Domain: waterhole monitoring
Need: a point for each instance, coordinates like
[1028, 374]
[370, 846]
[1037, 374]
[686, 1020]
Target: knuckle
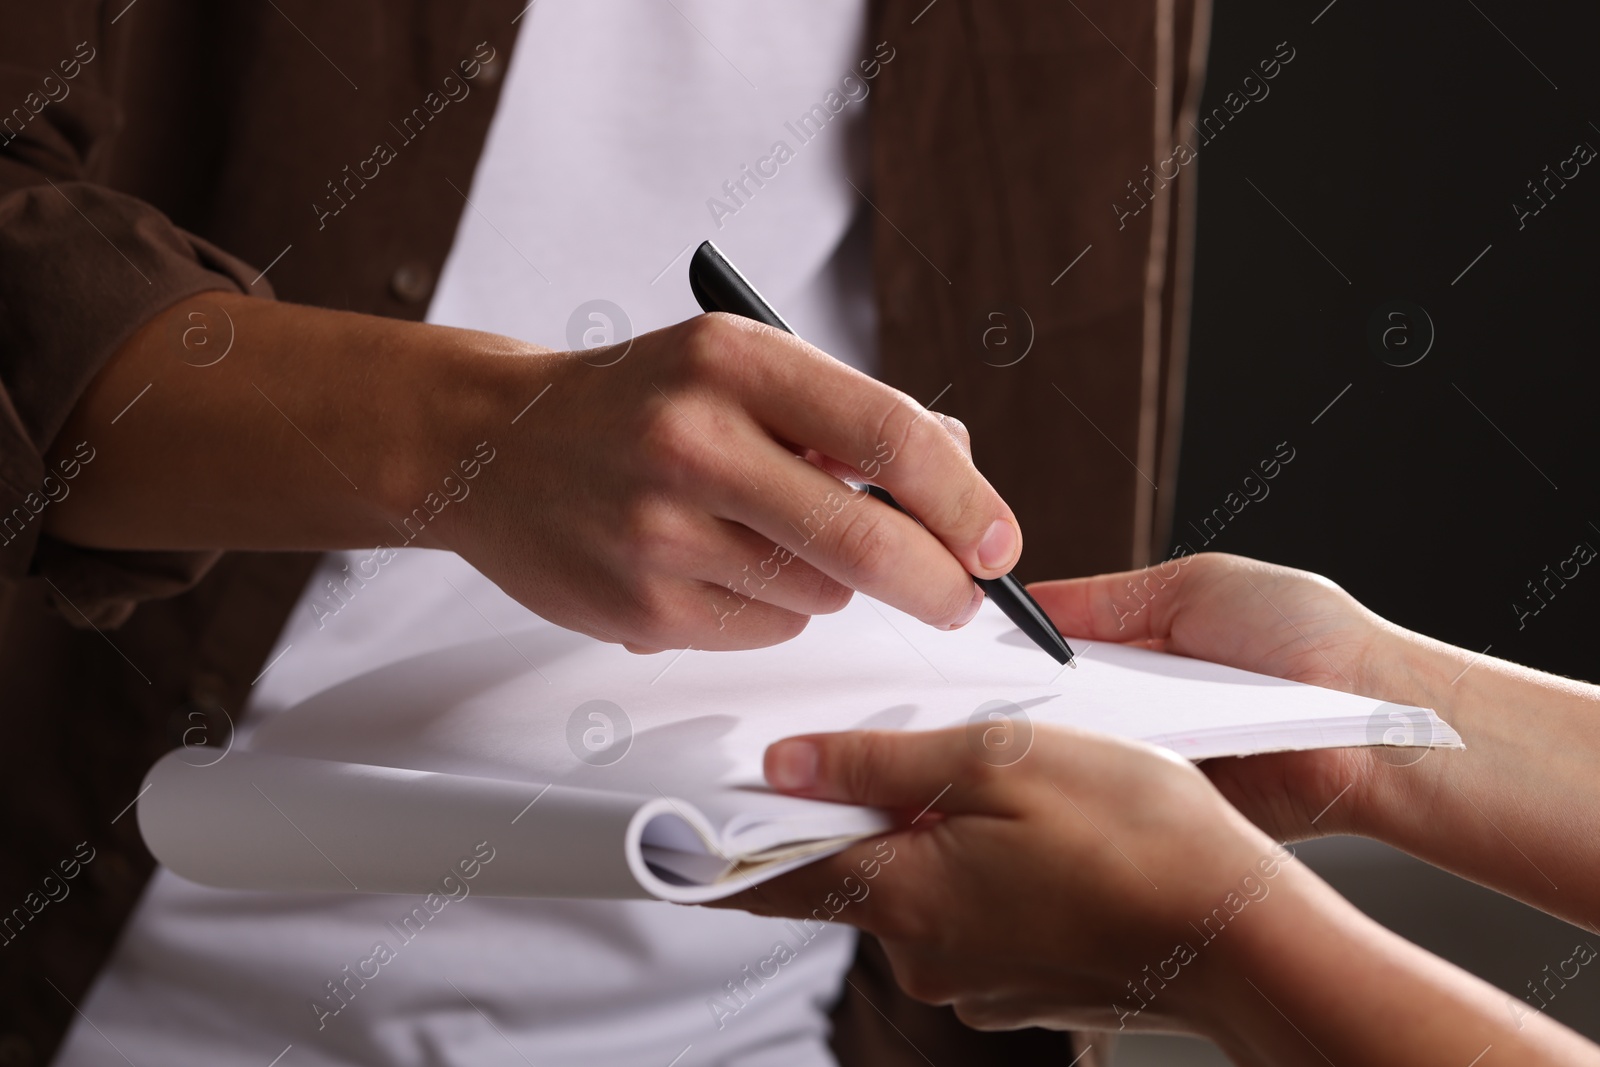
[759, 625]
[964, 511]
[978, 775]
[857, 771]
[769, 625]
[710, 342]
[654, 614]
[956, 601]
[972, 774]
[830, 596]
[899, 425]
[819, 593]
[654, 537]
[968, 505]
[909, 430]
[923, 985]
[980, 1015]
[957, 430]
[921, 979]
[678, 442]
[667, 439]
[866, 549]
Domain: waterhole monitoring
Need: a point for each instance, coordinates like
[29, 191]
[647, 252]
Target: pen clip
[717, 285]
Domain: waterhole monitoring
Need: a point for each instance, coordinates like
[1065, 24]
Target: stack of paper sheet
[592, 772]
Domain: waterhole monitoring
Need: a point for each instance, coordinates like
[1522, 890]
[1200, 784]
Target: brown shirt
[155, 150]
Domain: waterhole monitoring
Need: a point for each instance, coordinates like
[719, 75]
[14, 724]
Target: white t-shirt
[620, 121]
[624, 122]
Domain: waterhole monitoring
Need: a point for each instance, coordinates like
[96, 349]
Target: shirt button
[411, 283]
[489, 73]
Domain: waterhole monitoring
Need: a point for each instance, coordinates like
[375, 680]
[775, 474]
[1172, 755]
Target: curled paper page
[274, 822]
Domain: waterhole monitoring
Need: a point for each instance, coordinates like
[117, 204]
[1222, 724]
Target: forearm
[1308, 979]
[312, 429]
[1517, 809]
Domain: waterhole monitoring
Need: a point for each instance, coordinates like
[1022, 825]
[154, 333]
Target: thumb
[915, 770]
[1129, 606]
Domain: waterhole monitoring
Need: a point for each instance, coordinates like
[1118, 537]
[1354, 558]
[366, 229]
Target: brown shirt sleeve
[82, 266]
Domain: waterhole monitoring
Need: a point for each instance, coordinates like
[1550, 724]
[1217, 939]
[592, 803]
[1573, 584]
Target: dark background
[1397, 141]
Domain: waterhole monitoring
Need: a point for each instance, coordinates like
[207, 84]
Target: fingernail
[999, 545]
[792, 765]
[971, 611]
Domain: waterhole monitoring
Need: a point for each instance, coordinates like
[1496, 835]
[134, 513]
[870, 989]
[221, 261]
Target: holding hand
[1257, 617]
[1033, 894]
[683, 491]
[1102, 884]
[666, 499]
[1514, 811]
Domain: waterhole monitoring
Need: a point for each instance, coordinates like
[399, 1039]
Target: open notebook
[591, 772]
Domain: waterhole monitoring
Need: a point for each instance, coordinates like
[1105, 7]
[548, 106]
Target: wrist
[449, 407]
[1426, 669]
[1402, 666]
[1273, 948]
[1246, 886]
[1412, 669]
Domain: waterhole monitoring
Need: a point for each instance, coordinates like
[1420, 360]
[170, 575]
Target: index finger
[808, 398]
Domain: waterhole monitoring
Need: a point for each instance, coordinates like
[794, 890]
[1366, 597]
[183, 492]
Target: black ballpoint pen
[718, 286]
